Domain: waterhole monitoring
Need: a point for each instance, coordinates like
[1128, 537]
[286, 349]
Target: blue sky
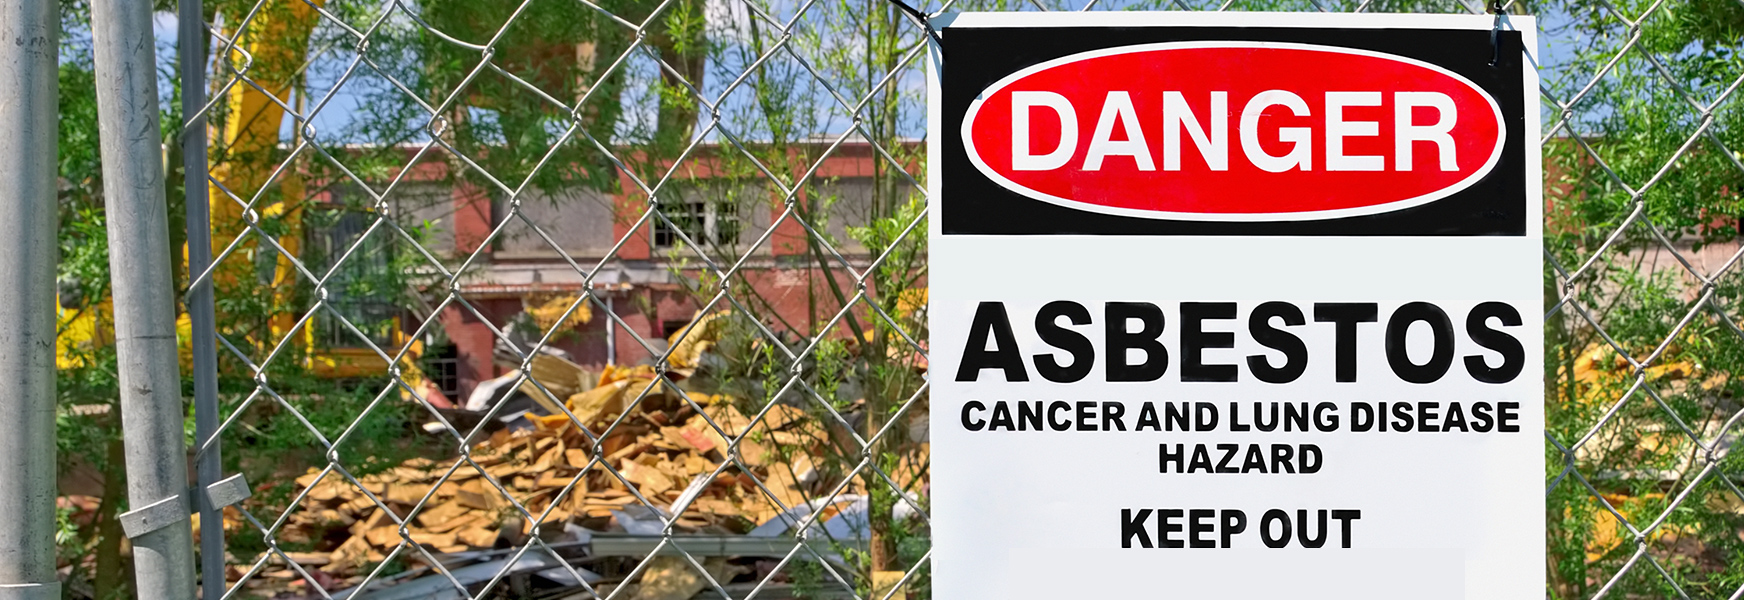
[1558, 43]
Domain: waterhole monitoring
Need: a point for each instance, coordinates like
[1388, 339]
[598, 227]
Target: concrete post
[145, 314]
[29, 88]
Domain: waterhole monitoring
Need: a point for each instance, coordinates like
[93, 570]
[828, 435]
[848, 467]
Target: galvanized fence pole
[29, 86]
[191, 36]
[145, 315]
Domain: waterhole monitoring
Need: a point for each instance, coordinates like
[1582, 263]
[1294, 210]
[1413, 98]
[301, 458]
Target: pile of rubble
[660, 452]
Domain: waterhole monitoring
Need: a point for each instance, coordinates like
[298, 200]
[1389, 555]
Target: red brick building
[642, 281]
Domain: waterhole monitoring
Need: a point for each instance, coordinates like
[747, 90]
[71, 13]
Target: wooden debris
[557, 375]
[659, 444]
[673, 578]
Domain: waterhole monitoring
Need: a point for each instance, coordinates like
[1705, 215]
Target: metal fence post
[145, 317]
[29, 86]
[192, 39]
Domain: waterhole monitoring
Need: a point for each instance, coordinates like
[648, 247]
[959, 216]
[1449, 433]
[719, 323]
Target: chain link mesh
[710, 141]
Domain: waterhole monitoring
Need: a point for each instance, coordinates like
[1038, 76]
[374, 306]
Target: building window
[442, 367]
[704, 222]
[671, 328]
[364, 286]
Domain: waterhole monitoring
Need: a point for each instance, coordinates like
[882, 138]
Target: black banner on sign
[1491, 203]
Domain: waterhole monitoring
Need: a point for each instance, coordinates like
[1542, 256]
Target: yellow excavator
[245, 134]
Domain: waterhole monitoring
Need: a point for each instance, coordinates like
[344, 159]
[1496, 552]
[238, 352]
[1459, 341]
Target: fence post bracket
[228, 491]
[31, 591]
[154, 516]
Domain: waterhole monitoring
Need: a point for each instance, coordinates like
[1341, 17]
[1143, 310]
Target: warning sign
[1236, 306]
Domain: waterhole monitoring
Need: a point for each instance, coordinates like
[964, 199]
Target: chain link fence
[626, 298]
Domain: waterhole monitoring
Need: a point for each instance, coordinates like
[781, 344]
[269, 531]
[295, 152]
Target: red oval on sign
[1234, 131]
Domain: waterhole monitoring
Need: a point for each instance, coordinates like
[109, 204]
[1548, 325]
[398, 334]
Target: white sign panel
[1236, 306]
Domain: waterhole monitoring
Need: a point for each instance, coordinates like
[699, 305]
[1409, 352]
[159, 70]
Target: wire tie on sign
[920, 19]
[1501, 12]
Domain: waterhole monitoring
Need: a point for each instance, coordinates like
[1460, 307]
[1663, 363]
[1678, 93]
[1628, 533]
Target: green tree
[1645, 168]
